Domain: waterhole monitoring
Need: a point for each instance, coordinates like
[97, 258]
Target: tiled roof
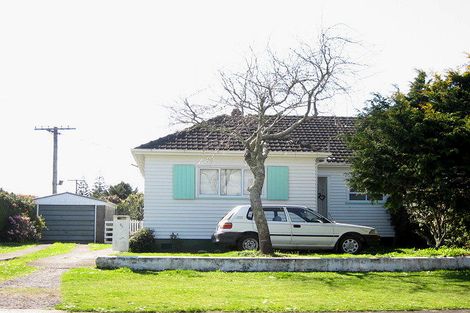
[316, 134]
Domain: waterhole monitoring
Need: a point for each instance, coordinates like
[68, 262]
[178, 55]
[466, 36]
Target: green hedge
[12, 204]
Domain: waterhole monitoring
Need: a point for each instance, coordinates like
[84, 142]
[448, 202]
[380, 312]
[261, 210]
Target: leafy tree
[112, 198]
[129, 201]
[121, 190]
[100, 189]
[263, 94]
[82, 188]
[414, 147]
[132, 206]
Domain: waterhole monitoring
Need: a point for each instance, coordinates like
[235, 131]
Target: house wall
[198, 218]
[354, 212]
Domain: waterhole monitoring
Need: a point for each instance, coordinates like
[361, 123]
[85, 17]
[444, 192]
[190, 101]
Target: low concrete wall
[283, 264]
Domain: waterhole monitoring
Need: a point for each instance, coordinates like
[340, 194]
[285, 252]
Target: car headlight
[373, 232]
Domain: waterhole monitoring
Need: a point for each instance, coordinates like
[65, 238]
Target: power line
[55, 132]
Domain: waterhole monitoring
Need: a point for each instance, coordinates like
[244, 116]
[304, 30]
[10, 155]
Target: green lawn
[380, 252]
[122, 290]
[99, 246]
[19, 266]
[6, 247]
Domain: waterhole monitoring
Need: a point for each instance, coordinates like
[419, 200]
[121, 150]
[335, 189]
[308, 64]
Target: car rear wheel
[248, 242]
[350, 244]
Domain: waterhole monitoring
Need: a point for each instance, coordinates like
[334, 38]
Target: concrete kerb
[411, 264]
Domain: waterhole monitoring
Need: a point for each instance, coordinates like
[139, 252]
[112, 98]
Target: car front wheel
[350, 244]
[248, 242]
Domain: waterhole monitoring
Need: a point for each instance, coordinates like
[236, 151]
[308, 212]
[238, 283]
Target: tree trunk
[256, 164]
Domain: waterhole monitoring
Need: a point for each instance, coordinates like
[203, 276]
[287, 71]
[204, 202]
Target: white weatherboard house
[194, 177]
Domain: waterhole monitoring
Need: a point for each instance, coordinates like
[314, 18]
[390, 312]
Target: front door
[322, 199]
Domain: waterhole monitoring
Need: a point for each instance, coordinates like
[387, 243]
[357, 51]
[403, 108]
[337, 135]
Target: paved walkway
[18, 253]
[41, 289]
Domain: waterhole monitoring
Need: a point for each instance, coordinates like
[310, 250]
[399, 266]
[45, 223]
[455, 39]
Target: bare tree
[263, 94]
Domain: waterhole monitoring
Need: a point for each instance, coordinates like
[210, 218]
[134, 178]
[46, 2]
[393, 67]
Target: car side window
[272, 214]
[300, 215]
[275, 215]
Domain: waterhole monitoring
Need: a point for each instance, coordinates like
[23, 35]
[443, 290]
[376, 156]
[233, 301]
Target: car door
[278, 224]
[309, 230]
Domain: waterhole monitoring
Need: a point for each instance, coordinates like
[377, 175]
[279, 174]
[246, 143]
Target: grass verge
[122, 290]
[378, 252]
[7, 247]
[19, 266]
[99, 246]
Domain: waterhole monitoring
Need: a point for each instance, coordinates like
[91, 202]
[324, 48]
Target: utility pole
[55, 132]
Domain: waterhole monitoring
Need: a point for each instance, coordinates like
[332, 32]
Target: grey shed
[74, 218]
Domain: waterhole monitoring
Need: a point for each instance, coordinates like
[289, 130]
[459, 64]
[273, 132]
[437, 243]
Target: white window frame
[199, 182]
[219, 169]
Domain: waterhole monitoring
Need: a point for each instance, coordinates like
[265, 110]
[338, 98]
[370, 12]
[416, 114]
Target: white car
[292, 227]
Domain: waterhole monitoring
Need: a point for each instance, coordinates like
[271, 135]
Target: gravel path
[15, 254]
[41, 289]
[425, 311]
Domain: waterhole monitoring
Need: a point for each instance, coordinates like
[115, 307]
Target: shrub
[12, 205]
[132, 206]
[22, 229]
[459, 231]
[142, 241]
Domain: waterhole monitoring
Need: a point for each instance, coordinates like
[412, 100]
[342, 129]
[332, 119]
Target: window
[248, 179]
[357, 196]
[272, 214]
[301, 215]
[230, 182]
[226, 182]
[209, 182]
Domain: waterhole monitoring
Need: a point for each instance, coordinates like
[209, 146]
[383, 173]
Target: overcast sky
[108, 68]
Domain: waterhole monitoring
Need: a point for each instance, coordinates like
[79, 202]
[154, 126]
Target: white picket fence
[134, 226]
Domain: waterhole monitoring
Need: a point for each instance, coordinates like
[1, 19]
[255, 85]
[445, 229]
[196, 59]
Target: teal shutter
[278, 183]
[184, 176]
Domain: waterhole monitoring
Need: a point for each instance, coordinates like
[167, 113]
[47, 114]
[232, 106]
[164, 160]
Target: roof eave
[139, 154]
[74, 194]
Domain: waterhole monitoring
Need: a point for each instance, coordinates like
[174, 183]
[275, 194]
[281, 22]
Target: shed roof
[68, 198]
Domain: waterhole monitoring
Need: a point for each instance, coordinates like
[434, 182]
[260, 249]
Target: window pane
[271, 214]
[298, 215]
[247, 181]
[354, 195]
[275, 215]
[295, 218]
[357, 196]
[231, 182]
[209, 182]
